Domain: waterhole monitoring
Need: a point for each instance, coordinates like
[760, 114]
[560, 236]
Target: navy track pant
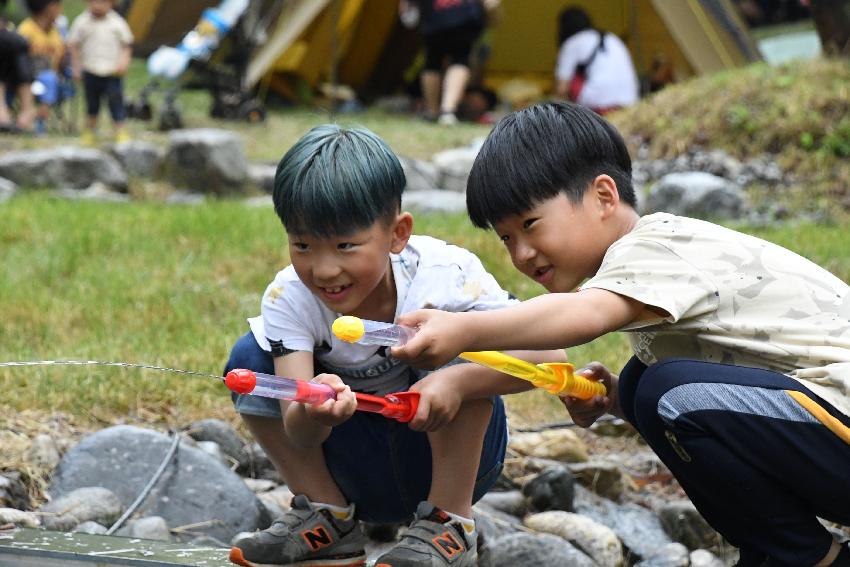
[748, 449]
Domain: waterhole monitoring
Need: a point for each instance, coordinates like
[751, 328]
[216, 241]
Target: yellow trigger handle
[576, 386]
[554, 377]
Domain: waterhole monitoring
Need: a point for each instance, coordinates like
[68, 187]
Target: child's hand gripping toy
[401, 406]
[554, 377]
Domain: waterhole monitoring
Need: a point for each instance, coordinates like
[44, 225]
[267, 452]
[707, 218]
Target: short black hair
[536, 153]
[38, 6]
[571, 21]
[334, 181]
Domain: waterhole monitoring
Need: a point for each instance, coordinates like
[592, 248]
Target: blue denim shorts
[381, 465]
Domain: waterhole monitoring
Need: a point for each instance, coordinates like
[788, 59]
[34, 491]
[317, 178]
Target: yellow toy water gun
[554, 377]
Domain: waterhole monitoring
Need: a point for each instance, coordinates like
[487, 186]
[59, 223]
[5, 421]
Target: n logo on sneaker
[447, 544]
[317, 538]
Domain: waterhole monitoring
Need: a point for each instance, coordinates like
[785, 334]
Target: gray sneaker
[432, 540]
[303, 536]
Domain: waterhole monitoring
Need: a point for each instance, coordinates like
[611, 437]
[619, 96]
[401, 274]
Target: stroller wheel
[170, 119]
[253, 111]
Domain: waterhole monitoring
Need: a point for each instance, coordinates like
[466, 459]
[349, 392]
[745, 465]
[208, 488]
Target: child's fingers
[422, 412]
[331, 380]
[413, 318]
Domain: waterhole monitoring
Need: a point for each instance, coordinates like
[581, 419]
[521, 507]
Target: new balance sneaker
[433, 539]
[305, 536]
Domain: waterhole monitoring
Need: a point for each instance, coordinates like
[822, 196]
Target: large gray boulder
[62, 167]
[194, 489]
[139, 159]
[699, 195]
[7, 189]
[206, 159]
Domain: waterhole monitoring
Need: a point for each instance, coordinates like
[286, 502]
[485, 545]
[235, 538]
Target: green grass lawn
[173, 285]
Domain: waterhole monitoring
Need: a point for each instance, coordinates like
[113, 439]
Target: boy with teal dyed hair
[740, 379]
[338, 194]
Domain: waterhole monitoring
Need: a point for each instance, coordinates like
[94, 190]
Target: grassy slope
[799, 112]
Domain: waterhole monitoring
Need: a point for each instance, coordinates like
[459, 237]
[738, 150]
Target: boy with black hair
[741, 367]
[338, 194]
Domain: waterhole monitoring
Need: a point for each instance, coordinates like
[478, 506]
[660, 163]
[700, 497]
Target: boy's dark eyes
[345, 245]
[528, 222]
[300, 245]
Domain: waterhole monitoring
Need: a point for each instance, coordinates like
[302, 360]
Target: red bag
[576, 84]
[579, 77]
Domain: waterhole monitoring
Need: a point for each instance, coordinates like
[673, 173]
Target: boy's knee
[246, 353]
[656, 381]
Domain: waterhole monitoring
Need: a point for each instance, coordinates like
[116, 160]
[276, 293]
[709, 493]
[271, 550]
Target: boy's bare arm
[443, 391]
[551, 321]
[300, 428]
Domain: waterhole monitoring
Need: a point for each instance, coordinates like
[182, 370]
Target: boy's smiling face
[558, 243]
[351, 274]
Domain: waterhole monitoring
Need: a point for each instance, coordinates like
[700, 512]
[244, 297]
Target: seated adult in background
[594, 67]
[47, 49]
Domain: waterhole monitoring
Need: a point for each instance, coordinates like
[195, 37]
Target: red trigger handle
[400, 406]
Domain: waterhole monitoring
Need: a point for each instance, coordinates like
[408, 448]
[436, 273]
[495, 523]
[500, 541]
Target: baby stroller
[223, 74]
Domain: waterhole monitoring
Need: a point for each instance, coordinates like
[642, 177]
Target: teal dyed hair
[335, 181]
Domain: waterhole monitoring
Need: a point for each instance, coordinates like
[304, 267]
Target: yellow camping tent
[363, 42]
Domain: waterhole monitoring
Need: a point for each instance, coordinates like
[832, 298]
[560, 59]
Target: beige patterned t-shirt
[733, 299]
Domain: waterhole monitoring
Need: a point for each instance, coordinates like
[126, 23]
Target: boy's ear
[606, 194]
[402, 229]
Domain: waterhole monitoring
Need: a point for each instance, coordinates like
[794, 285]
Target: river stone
[152, 527]
[559, 444]
[19, 518]
[91, 528]
[638, 528]
[594, 539]
[67, 166]
[206, 159]
[670, 555]
[685, 524]
[69, 509]
[13, 491]
[194, 488]
[221, 432]
[533, 549]
[697, 194]
[552, 489]
[139, 158]
[510, 501]
[7, 189]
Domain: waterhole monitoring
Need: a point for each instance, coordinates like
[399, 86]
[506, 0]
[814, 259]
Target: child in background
[741, 368]
[101, 46]
[16, 76]
[47, 49]
[338, 194]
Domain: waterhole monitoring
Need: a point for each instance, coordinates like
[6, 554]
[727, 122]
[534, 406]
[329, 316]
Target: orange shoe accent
[239, 559]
